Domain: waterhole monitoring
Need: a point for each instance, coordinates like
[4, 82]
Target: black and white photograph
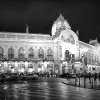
[49, 50]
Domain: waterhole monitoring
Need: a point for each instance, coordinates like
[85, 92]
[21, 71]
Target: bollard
[79, 81]
[75, 81]
[84, 82]
[92, 82]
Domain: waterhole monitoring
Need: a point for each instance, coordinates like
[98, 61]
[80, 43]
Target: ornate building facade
[57, 53]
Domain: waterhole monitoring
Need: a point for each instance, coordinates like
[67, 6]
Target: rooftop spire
[77, 32]
[60, 24]
[63, 21]
[27, 28]
[60, 18]
[96, 39]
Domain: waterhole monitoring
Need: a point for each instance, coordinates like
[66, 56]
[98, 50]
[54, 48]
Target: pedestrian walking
[89, 76]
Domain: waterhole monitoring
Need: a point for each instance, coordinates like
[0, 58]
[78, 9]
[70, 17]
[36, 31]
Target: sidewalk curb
[79, 86]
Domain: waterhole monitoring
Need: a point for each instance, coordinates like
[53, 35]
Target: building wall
[92, 54]
[27, 45]
[62, 39]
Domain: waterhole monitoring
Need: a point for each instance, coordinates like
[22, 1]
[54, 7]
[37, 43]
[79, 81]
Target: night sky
[40, 14]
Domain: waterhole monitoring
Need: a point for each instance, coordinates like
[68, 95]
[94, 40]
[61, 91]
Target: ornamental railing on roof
[25, 36]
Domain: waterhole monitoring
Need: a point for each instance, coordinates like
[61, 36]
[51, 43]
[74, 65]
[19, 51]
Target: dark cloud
[40, 15]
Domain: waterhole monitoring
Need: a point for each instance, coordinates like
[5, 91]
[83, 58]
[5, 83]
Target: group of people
[89, 75]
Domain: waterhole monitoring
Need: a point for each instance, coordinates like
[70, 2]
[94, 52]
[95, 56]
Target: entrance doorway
[50, 68]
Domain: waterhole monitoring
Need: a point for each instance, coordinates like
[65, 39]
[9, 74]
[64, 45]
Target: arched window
[67, 55]
[72, 39]
[72, 58]
[60, 51]
[41, 53]
[21, 53]
[1, 52]
[31, 53]
[10, 53]
[67, 38]
[49, 52]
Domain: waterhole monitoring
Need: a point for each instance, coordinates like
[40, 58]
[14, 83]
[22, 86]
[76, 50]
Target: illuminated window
[50, 54]
[1, 52]
[72, 57]
[10, 53]
[68, 38]
[41, 53]
[67, 55]
[21, 53]
[72, 39]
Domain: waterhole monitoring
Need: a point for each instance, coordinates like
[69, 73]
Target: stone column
[36, 66]
[26, 66]
[5, 66]
[53, 68]
[60, 68]
[16, 66]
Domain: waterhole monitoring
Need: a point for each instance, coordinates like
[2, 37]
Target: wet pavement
[46, 89]
[91, 84]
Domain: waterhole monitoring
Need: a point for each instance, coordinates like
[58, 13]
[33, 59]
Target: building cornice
[86, 44]
[12, 35]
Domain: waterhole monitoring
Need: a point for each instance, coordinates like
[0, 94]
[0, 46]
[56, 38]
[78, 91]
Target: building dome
[60, 23]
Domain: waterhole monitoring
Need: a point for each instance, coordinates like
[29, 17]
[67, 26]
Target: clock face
[67, 37]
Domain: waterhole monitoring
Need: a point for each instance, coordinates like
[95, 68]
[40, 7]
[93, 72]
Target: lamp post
[84, 60]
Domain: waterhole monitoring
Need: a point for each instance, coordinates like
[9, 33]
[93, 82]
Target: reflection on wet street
[44, 90]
